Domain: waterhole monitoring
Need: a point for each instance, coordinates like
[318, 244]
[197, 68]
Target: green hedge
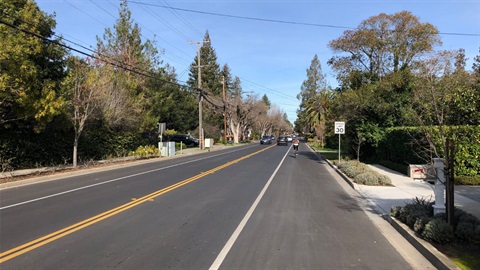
[408, 145]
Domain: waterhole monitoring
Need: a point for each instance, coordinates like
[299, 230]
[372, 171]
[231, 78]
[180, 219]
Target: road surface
[249, 207]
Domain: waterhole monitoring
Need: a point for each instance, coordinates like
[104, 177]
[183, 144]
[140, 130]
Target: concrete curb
[435, 257]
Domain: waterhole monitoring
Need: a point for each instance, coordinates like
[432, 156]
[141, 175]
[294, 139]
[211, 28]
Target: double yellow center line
[14, 252]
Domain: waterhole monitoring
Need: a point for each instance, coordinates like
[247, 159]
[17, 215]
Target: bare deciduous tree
[83, 83]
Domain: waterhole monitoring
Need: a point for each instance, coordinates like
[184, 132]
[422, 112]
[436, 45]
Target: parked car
[186, 139]
[282, 140]
[266, 140]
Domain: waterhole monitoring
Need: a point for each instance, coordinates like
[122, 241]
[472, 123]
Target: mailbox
[421, 171]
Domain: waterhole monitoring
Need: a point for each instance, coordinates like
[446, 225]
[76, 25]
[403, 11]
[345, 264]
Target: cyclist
[296, 143]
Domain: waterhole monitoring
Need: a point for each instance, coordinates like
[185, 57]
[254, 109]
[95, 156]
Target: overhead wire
[274, 20]
[179, 16]
[116, 63]
[176, 58]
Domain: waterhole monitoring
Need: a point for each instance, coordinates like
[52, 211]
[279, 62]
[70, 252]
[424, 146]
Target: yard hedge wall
[409, 145]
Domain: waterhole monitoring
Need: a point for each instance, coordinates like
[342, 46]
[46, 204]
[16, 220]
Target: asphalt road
[251, 207]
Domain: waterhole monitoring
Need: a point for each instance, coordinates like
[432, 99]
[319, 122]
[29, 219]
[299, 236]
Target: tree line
[108, 101]
[389, 75]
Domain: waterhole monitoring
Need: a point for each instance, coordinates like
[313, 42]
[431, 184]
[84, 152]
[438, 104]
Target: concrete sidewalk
[405, 189]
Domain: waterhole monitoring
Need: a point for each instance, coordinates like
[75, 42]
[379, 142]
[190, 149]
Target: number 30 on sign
[339, 127]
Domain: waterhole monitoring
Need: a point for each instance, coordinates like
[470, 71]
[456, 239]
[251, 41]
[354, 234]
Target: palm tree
[317, 109]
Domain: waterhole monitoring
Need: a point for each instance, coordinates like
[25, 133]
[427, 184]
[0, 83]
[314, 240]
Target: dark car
[266, 140]
[282, 140]
[186, 139]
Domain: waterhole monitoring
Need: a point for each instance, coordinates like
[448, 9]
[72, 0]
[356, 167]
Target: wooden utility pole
[224, 112]
[200, 95]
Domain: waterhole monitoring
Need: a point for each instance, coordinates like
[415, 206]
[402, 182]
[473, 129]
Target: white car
[289, 138]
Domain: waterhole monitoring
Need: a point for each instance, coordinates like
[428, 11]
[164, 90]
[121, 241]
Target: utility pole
[224, 112]
[200, 95]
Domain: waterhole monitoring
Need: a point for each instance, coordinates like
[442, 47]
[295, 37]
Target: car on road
[289, 138]
[266, 140]
[185, 138]
[282, 140]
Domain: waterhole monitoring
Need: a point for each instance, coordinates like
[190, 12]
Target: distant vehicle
[186, 139]
[289, 138]
[282, 140]
[273, 138]
[266, 140]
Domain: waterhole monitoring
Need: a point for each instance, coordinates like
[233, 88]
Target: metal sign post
[161, 129]
[339, 129]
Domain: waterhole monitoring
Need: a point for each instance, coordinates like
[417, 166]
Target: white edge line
[223, 253]
[110, 181]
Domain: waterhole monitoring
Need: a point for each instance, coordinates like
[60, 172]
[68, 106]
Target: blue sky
[270, 58]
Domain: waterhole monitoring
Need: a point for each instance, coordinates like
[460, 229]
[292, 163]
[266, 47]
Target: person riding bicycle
[296, 143]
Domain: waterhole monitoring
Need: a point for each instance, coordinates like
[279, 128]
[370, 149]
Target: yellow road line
[17, 251]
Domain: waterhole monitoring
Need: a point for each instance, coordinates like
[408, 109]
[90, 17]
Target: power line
[189, 25]
[242, 17]
[118, 64]
[173, 54]
[276, 21]
[275, 92]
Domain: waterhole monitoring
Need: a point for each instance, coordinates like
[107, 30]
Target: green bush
[420, 207]
[465, 232]
[462, 216]
[467, 180]
[403, 145]
[411, 212]
[384, 180]
[372, 178]
[352, 168]
[438, 231]
[420, 224]
[362, 174]
[395, 211]
[367, 178]
[145, 151]
[418, 215]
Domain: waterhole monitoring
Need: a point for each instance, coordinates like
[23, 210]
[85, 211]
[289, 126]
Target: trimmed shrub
[352, 168]
[403, 145]
[367, 178]
[437, 230]
[384, 180]
[395, 211]
[418, 215]
[420, 224]
[419, 208]
[476, 235]
[362, 174]
[465, 231]
[467, 180]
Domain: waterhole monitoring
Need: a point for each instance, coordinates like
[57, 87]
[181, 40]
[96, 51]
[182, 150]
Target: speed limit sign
[339, 127]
